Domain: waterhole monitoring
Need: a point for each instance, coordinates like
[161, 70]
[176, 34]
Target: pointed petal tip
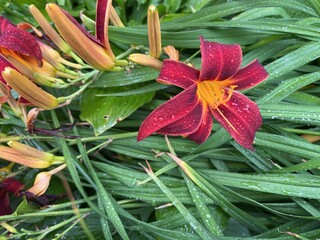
[241, 117]
[178, 74]
[219, 61]
[249, 76]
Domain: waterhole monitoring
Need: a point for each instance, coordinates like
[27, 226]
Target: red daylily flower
[8, 185]
[208, 92]
[18, 42]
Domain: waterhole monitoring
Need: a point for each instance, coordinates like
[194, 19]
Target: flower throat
[213, 93]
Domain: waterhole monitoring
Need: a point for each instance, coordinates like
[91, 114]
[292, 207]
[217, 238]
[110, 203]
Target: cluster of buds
[10, 185]
[155, 47]
[96, 51]
[22, 65]
[27, 63]
[31, 157]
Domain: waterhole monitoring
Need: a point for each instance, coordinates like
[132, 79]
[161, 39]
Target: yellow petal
[41, 183]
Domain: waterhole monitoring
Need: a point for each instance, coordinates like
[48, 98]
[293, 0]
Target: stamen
[213, 93]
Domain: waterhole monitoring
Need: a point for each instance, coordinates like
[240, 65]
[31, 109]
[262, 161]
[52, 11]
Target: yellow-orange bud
[145, 60]
[86, 47]
[28, 156]
[42, 181]
[28, 90]
[114, 18]
[48, 29]
[171, 52]
[154, 32]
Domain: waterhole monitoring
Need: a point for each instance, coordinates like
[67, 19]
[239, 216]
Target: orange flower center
[213, 93]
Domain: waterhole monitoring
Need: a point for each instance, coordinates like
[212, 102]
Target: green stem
[126, 53]
[75, 94]
[106, 137]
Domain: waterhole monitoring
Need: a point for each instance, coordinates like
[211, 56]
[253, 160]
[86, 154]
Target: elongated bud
[145, 60]
[85, 45]
[28, 156]
[54, 58]
[171, 52]
[49, 30]
[115, 19]
[30, 151]
[28, 90]
[16, 156]
[42, 181]
[154, 32]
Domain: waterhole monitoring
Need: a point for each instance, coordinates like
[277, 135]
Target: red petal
[102, 19]
[249, 76]
[178, 74]
[11, 185]
[204, 129]
[240, 117]
[186, 125]
[74, 21]
[19, 41]
[4, 203]
[169, 112]
[219, 61]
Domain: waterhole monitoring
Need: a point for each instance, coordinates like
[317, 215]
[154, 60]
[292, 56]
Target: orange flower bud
[86, 46]
[145, 60]
[114, 18]
[172, 52]
[42, 181]
[154, 32]
[48, 29]
[28, 90]
[28, 156]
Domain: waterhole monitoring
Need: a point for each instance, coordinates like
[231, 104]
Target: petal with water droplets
[204, 130]
[18, 41]
[240, 117]
[186, 125]
[249, 76]
[219, 61]
[178, 74]
[169, 112]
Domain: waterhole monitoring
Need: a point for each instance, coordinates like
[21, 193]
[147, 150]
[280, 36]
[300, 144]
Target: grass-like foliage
[171, 188]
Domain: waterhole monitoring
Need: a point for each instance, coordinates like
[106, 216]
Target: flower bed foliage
[106, 128]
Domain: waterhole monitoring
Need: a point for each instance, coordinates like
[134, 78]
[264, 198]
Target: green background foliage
[224, 191]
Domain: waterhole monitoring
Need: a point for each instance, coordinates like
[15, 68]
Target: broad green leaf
[136, 75]
[104, 112]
